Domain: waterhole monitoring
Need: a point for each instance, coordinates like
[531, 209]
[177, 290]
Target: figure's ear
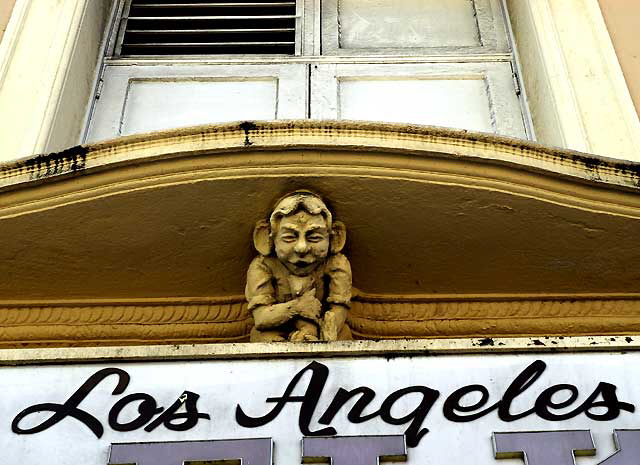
[262, 238]
[338, 236]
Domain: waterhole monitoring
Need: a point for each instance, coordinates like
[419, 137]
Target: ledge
[332, 349]
[251, 136]
[82, 323]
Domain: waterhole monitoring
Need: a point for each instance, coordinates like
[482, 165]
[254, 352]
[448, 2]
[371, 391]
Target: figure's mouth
[301, 267]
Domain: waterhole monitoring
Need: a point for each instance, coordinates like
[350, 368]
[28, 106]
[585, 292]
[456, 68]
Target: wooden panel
[410, 23]
[472, 96]
[154, 97]
[414, 27]
[161, 104]
[421, 101]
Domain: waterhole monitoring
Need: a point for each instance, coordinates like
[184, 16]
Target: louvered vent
[197, 27]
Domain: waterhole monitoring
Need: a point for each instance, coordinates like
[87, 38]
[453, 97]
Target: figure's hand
[301, 336]
[308, 306]
[329, 327]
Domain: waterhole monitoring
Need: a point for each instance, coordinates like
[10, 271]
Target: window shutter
[197, 27]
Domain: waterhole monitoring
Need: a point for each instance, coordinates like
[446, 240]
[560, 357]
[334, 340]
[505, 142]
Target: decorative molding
[198, 320]
[478, 319]
[142, 321]
[386, 317]
[354, 137]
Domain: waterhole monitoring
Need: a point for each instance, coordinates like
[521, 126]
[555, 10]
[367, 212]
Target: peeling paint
[52, 164]
[247, 126]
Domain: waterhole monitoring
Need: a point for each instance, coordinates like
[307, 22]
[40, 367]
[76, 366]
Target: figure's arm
[260, 294]
[272, 316]
[339, 298]
[340, 314]
[333, 321]
[267, 313]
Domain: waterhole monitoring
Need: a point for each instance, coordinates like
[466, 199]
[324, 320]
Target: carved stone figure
[299, 287]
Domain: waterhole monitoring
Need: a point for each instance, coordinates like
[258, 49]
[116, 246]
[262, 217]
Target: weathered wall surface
[622, 18]
[5, 12]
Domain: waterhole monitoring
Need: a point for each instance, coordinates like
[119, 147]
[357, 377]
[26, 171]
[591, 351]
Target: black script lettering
[355, 414]
[521, 383]
[609, 401]
[416, 416]
[190, 415]
[309, 401]
[544, 402]
[70, 407]
[146, 411]
[452, 405]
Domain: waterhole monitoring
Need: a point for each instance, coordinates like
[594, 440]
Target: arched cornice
[450, 233]
[249, 145]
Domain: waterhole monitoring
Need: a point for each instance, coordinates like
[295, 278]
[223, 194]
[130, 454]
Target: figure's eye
[316, 238]
[288, 238]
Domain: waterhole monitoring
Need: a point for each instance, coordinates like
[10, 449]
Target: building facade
[484, 161]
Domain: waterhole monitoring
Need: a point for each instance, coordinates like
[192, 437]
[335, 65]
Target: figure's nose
[302, 246]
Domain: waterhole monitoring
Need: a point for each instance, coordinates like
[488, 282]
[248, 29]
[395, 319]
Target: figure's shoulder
[263, 264]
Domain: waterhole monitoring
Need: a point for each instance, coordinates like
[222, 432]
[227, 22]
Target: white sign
[448, 407]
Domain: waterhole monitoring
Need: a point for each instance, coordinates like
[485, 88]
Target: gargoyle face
[302, 242]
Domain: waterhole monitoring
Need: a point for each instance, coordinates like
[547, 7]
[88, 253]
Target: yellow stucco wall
[5, 11]
[623, 19]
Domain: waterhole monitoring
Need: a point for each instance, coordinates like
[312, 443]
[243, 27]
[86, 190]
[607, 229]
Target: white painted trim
[47, 63]
[11, 35]
[61, 74]
[619, 85]
[29, 83]
[577, 93]
[574, 132]
[98, 70]
[387, 348]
